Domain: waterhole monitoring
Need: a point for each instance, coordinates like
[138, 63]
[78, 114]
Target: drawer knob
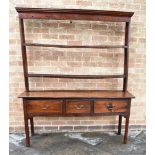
[109, 106]
[78, 107]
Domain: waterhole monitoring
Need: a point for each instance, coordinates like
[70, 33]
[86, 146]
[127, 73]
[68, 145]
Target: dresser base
[76, 103]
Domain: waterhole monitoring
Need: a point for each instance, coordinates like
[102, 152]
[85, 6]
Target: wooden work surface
[76, 94]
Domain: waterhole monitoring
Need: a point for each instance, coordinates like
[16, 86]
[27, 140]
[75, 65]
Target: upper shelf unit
[74, 14]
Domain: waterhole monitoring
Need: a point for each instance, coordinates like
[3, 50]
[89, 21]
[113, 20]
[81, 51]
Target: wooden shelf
[76, 76]
[76, 94]
[76, 46]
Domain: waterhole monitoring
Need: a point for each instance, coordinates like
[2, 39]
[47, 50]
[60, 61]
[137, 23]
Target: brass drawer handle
[44, 107]
[78, 107]
[109, 106]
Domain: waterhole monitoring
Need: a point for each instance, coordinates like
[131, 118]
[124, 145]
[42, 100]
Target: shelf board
[76, 76]
[76, 46]
[77, 94]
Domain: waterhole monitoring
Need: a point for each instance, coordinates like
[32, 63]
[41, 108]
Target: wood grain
[74, 14]
[117, 106]
[76, 94]
[77, 106]
[46, 106]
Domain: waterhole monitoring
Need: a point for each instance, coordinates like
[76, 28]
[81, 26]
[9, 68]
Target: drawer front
[44, 106]
[110, 106]
[77, 106]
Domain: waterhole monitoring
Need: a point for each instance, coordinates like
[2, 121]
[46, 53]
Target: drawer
[44, 106]
[110, 106]
[77, 106]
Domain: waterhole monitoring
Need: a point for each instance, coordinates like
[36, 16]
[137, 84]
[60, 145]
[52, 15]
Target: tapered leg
[26, 119]
[119, 125]
[32, 126]
[27, 132]
[126, 130]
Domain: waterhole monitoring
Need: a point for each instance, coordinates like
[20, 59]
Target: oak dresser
[64, 103]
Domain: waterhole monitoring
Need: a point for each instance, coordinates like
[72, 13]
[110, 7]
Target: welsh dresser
[64, 103]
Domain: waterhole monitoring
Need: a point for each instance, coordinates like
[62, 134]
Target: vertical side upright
[26, 122]
[24, 57]
[126, 55]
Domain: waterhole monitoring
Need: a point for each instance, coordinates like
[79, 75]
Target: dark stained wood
[47, 114]
[75, 46]
[64, 108]
[91, 108]
[46, 106]
[75, 114]
[80, 11]
[126, 130]
[119, 125]
[75, 102]
[76, 94]
[74, 14]
[77, 106]
[127, 116]
[26, 123]
[32, 126]
[104, 106]
[24, 56]
[76, 76]
[126, 56]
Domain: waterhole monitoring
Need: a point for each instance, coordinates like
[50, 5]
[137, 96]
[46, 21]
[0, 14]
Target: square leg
[26, 123]
[27, 132]
[32, 126]
[126, 130]
[119, 125]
